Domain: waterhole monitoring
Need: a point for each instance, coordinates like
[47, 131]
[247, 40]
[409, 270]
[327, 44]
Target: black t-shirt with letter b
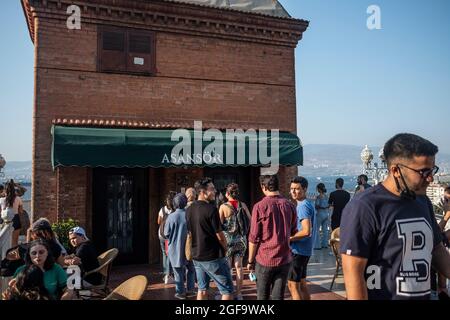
[397, 237]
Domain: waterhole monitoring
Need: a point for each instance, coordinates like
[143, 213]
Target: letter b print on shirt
[414, 275]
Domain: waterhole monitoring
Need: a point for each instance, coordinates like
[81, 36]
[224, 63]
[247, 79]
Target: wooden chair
[100, 291]
[335, 246]
[132, 289]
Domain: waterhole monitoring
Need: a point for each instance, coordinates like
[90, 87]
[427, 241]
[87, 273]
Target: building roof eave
[28, 17]
[291, 27]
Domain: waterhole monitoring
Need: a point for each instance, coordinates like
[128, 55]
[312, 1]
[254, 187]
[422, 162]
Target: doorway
[223, 176]
[120, 213]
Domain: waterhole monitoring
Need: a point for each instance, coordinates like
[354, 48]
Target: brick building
[135, 70]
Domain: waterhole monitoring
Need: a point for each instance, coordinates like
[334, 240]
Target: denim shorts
[218, 270]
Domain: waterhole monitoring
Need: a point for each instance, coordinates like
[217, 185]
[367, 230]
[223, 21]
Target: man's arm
[305, 232]
[446, 217]
[444, 220]
[222, 240]
[441, 260]
[252, 248]
[355, 283]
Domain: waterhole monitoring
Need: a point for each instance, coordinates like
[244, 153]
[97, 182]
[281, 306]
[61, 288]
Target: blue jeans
[183, 273]
[218, 270]
[321, 222]
[167, 266]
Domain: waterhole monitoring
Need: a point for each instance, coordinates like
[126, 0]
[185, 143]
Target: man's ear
[394, 170]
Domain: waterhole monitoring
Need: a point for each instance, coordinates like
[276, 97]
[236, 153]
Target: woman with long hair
[42, 229]
[322, 206]
[236, 238]
[55, 278]
[28, 285]
[10, 206]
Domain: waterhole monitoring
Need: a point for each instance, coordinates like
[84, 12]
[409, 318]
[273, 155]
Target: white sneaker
[168, 280]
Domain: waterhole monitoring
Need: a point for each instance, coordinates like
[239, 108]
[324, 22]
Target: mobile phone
[252, 276]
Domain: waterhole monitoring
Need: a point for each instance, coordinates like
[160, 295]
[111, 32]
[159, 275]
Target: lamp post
[374, 172]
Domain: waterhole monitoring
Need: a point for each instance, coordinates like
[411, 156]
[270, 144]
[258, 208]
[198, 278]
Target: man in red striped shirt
[274, 221]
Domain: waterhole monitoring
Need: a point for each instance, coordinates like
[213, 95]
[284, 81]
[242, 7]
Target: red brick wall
[285, 175]
[198, 78]
[72, 192]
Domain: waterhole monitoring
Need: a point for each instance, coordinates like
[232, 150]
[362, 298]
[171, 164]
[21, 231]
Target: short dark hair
[340, 182]
[301, 180]
[408, 145]
[321, 187]
[202, 184]
[363, 176]
[2, 187]
[179, 201]
[169, 200]
[270, 182]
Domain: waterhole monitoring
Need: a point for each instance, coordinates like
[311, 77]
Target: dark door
[223, 176]
[120, 213]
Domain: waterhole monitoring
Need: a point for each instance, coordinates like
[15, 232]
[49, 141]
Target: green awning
[118, 148]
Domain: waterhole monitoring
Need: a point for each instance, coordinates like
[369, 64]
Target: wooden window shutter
[141, 52]
[112, 49]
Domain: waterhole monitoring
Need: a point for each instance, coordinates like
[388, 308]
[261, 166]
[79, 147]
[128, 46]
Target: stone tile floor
[321, 270]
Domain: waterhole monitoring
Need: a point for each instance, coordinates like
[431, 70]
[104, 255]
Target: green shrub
[62, 228]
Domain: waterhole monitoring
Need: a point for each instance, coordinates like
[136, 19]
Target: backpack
[242, 220]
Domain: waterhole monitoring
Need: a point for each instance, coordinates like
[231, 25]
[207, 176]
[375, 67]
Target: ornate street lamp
[374, 172]
[366, 157]
[2, 165]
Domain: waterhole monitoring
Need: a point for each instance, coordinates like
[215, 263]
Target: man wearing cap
[85, 255]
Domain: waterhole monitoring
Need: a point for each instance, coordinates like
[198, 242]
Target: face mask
[405, 193]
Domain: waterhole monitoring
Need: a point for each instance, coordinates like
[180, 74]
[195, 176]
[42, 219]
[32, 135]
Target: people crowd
[285, 233]
[388, 230]
[34, 269]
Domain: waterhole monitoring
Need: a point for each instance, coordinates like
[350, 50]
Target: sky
[359, 86]
[354, 85]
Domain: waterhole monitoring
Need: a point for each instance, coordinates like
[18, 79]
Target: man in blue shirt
[389, 236]
[302, 242]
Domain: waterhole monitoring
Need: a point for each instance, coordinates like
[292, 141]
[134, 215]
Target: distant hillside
[18, 170]
[319, 160]
[333, 159]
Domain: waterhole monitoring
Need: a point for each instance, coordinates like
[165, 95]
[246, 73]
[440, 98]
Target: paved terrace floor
[321, 270]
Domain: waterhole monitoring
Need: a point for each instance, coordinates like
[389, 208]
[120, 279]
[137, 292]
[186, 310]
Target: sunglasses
[424, 173]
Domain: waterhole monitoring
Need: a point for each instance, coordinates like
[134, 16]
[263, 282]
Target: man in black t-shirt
[389, 236]
[338, 200]
[85, 255]
[208, 242]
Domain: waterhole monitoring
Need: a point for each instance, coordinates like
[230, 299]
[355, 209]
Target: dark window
[114, 41]
[140, 43]
[124, 50]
